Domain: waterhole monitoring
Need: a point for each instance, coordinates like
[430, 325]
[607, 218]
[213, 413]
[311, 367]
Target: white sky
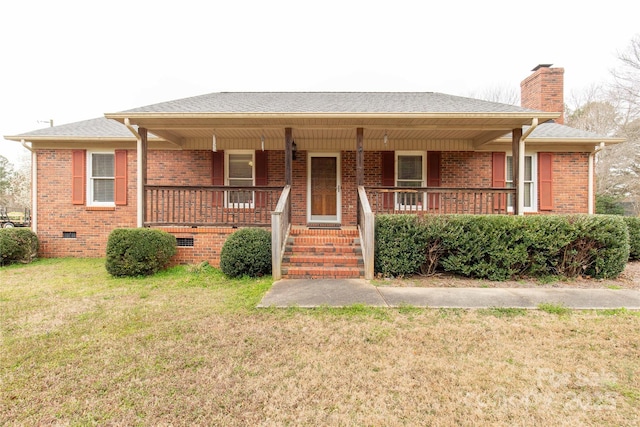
[75, 60]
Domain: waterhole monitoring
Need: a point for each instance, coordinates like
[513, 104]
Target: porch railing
[439, 200]
[366, 222]
[280, 227]
[210, 205]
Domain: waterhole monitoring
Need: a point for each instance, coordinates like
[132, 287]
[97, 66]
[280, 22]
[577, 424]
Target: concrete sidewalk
[340, 293]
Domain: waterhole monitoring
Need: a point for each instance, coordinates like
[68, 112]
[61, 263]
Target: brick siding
[56, 213]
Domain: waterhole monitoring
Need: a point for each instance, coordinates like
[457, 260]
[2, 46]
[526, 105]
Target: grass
[188, 347]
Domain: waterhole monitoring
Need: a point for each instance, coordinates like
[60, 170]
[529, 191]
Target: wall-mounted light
[294, 150]
[214, 143]
[262, 142]
[385, 139]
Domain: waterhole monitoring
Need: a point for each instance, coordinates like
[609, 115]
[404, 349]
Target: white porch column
[521, 168]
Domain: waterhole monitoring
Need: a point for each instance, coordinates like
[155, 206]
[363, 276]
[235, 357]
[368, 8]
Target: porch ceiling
[479, 128]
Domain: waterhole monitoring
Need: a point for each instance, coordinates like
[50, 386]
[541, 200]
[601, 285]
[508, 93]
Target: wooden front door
[324, 188]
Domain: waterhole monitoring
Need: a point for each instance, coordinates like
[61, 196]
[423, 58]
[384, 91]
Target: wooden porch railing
[366, 224]
[280, 227]
[210, 205]
[439, 200]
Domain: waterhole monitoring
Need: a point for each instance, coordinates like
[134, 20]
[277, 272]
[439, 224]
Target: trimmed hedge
[18, 245]
[633, 224]
[247, 252]
[499, 247]
[139, 251]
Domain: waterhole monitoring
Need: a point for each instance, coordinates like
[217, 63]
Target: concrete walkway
[340, 293]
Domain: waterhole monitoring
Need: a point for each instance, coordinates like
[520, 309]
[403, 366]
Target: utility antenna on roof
[50, 121]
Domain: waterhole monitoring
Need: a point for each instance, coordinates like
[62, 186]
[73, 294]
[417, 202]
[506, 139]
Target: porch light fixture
[262, 142]
[214, 144]
[386, 138]
[294, 149]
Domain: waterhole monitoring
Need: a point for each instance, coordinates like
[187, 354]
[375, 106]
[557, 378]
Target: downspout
[34, 187]
[139, 189]
[591, 191]
[521, 157]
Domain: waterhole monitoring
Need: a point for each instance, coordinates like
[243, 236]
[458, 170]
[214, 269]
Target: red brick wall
[207, 244]
[465, 169]
[56, 214]
[570, 183]
[544, 90]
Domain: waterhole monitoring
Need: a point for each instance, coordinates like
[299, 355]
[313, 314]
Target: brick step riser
[300, 261]
[315, 274]
[329, 251]
[306, 240]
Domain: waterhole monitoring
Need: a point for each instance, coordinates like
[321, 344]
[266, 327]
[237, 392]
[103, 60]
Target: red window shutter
[261, 176]
[217, 174]
[434, 162]
[388, 176]
[120, 196]
[217, 177]
[499, 177]
[545, 181]
[499, 180]
[78, 179]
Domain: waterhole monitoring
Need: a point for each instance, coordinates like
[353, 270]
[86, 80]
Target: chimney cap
[541, 66]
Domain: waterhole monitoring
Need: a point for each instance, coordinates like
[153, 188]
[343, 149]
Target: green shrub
[139, 251]
[400, 245]
[499, 247]
[17, 245]
[633, 224]
[608, 205]
[247, 252]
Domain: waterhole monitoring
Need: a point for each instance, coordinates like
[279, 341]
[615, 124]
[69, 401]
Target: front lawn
[187, 347]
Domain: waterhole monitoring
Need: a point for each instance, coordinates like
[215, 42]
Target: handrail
[440, 200]
[280, 226]
[209, 205]
[366, 227]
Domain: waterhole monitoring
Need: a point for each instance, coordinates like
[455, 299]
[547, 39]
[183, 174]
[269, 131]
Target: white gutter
[591, 191]
[139, 172]
[521, 157]
[34, 187]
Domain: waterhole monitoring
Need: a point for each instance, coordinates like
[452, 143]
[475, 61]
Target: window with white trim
[410, 173]
[240, 171]
[101, 178]
[530, 200]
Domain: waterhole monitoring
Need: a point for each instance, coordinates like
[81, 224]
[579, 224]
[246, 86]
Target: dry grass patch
[187, 348]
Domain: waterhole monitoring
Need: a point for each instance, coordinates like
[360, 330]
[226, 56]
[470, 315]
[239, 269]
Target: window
[529, 182]
[101, 175]
[410, 173]
[240, 173]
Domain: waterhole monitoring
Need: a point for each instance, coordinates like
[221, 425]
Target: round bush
[247, 252]
[139, 251]
[633, 224]
[17, 245]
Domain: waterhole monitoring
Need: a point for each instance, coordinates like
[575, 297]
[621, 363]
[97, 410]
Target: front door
[324, 188]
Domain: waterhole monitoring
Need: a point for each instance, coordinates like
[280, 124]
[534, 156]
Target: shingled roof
[328, 102]
[100, 127]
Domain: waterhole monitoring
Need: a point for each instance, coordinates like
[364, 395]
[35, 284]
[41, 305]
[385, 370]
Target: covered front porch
[325, 170]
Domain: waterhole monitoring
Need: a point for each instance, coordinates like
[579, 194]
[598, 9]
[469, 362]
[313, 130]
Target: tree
[614, 110]
[6, 174]
[15, 183]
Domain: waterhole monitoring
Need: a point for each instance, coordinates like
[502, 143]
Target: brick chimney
[544, 90]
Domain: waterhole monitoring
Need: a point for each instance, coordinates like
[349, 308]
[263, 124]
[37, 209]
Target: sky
[75, 60]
